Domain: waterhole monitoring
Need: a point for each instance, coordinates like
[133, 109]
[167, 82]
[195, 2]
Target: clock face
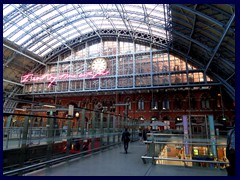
[99, 65]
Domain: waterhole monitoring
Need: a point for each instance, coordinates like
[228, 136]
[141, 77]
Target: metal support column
[82, 128]
[24, 142]
[50, 130]
[101, 130]
[69, 123]
[108, 128]
[93, 130]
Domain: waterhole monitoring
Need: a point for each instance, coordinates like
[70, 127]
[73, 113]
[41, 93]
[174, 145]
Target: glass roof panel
[56, 19]
[86, 31]
[51, 43]
[89, 7]
[26, 36]
[46, 39]
[47, 51]
[71, 36]
[44, 9]
[8, 9]
[19, 33]
[56, 45]
[71, 13]
[42, 48]
[38, 44]
[9, 31]
[48, 15]
[36, 30]
[42, 27]
[22, 22]
[69, 31]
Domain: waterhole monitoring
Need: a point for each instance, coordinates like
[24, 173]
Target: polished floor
[114, 162]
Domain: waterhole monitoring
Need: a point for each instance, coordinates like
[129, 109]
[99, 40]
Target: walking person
[144, 134]
[230, 152]
[145, 131]
[126, 139]
[140, 134]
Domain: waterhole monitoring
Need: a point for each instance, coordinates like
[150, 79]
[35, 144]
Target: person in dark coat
[145, 131]
[230, 153]
[126, 139]
[144, 135]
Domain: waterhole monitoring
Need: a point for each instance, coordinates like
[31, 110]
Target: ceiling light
[50, 106]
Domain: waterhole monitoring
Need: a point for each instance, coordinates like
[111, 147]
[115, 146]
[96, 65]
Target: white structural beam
[12, 82]
[24, 54]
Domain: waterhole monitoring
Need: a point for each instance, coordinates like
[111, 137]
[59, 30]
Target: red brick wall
[171, 114]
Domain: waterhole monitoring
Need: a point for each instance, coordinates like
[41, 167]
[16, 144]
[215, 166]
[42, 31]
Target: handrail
[164, 142]
[184, 160]
[54, 161]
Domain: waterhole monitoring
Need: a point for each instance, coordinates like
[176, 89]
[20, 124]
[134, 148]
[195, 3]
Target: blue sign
[185, 133]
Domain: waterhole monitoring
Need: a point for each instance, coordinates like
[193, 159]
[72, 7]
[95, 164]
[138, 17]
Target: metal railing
[173, 149]
[48, 163]
[30, 140]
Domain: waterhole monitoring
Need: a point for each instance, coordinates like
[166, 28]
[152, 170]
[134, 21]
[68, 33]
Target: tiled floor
[115, 162]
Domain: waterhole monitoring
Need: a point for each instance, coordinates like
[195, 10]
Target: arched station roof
[202, 33]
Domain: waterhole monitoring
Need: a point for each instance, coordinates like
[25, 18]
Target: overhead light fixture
[50, 106]
[20, 109]
[77, 114]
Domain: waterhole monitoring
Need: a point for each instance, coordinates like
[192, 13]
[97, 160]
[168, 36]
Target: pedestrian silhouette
[230, 152]
[126, 139]
[145, 131]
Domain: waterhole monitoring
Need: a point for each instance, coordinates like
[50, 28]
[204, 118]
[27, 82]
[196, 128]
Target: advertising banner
[185, 134]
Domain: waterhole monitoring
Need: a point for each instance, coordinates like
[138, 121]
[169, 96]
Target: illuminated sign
[54, 77]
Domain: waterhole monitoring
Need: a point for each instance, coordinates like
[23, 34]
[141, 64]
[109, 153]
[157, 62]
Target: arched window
[128, 101]
[112, 105]
[219, 100]
[154, 103]
[177, 79]
[165, 103]
[205, 103]
[140, 104]
[84, 103]
[164, 68]
[176, 68]
[190, 78]
[177, 102]
[165, 79]
[191, 103]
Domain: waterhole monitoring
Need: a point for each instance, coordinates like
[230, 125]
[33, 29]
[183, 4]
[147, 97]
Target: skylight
[38, 27]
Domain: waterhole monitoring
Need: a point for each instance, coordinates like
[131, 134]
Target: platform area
[115, 162]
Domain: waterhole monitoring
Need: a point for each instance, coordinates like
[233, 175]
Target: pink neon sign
[53, 77]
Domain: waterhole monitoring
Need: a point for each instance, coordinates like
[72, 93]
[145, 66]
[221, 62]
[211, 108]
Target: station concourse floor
[115, 162]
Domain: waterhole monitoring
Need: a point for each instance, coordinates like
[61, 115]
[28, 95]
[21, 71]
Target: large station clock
[99, 65]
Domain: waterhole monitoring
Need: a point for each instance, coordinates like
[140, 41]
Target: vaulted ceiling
[35, 33]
